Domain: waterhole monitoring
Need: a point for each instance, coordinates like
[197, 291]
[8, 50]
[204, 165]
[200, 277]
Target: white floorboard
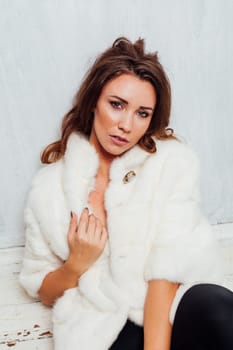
[24, 322]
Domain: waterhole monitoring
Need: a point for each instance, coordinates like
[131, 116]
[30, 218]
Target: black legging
[203, 321]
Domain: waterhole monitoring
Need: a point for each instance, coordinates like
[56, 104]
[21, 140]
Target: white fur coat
[156, 231]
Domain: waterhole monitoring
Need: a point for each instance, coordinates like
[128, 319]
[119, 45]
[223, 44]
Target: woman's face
[122, 114]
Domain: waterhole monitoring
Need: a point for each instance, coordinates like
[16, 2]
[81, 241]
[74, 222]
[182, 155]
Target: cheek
[104, 116]
[142, 126]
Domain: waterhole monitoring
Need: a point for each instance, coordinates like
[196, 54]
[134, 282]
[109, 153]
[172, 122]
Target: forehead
[132, 89]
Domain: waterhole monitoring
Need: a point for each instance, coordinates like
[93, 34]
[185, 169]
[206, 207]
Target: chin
[115, 151]
[122, 151]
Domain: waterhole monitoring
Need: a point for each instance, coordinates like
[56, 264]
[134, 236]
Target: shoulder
[47, 175]
[172, 161]
[176, 153]
[44, 182]
[174, 147]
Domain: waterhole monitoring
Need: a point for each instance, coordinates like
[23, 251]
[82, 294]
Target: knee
[205, 318]
[208, 301]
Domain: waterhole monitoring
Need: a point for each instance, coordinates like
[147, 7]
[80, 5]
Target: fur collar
[81, 163]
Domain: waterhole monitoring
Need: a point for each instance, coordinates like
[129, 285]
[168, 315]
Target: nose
[126, 122]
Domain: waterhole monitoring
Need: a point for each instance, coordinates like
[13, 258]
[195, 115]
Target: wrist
[73, 270]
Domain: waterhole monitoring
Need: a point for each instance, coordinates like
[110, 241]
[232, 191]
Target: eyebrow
[126, 102]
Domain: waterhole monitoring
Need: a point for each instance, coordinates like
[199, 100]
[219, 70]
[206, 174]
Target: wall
[45, 46]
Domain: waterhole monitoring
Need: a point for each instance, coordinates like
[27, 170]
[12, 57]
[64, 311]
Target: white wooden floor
[26, 323]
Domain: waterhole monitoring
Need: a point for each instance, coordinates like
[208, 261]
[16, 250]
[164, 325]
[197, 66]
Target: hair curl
[123, 57]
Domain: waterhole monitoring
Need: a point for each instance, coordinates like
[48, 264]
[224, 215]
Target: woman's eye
[116, 104]
[143, 114]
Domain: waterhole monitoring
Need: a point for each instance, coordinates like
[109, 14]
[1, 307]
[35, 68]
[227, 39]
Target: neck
[105, 159]
[104, 165]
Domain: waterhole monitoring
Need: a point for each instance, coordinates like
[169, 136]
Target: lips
[118, 140]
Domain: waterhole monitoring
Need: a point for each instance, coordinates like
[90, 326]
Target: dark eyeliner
[115, 104]
[146, 114]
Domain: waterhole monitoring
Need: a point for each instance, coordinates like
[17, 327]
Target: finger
[75, 219]
[98, 229]
[91, 227]
[83, 222]
[104, 235]
[72, 224]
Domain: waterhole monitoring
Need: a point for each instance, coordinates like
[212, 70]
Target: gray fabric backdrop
[45, 47]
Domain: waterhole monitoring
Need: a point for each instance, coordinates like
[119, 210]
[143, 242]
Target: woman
[115, 239]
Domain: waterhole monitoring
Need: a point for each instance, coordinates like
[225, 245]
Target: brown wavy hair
[122, 57]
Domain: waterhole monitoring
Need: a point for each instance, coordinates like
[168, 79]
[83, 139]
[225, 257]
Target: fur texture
[156, 231]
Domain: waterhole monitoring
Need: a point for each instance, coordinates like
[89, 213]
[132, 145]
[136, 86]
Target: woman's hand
[86, 240]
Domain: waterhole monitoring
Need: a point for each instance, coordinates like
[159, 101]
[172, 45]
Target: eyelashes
[119, 105]
[143, 114]
[116, 104]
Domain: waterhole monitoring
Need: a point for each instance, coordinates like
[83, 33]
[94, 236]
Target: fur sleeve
[38, 258]
[184, 249]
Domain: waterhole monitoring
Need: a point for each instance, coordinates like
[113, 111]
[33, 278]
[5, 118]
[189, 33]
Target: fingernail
[71, 214]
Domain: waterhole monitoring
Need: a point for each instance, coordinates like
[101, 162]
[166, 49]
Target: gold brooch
[129, 176]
